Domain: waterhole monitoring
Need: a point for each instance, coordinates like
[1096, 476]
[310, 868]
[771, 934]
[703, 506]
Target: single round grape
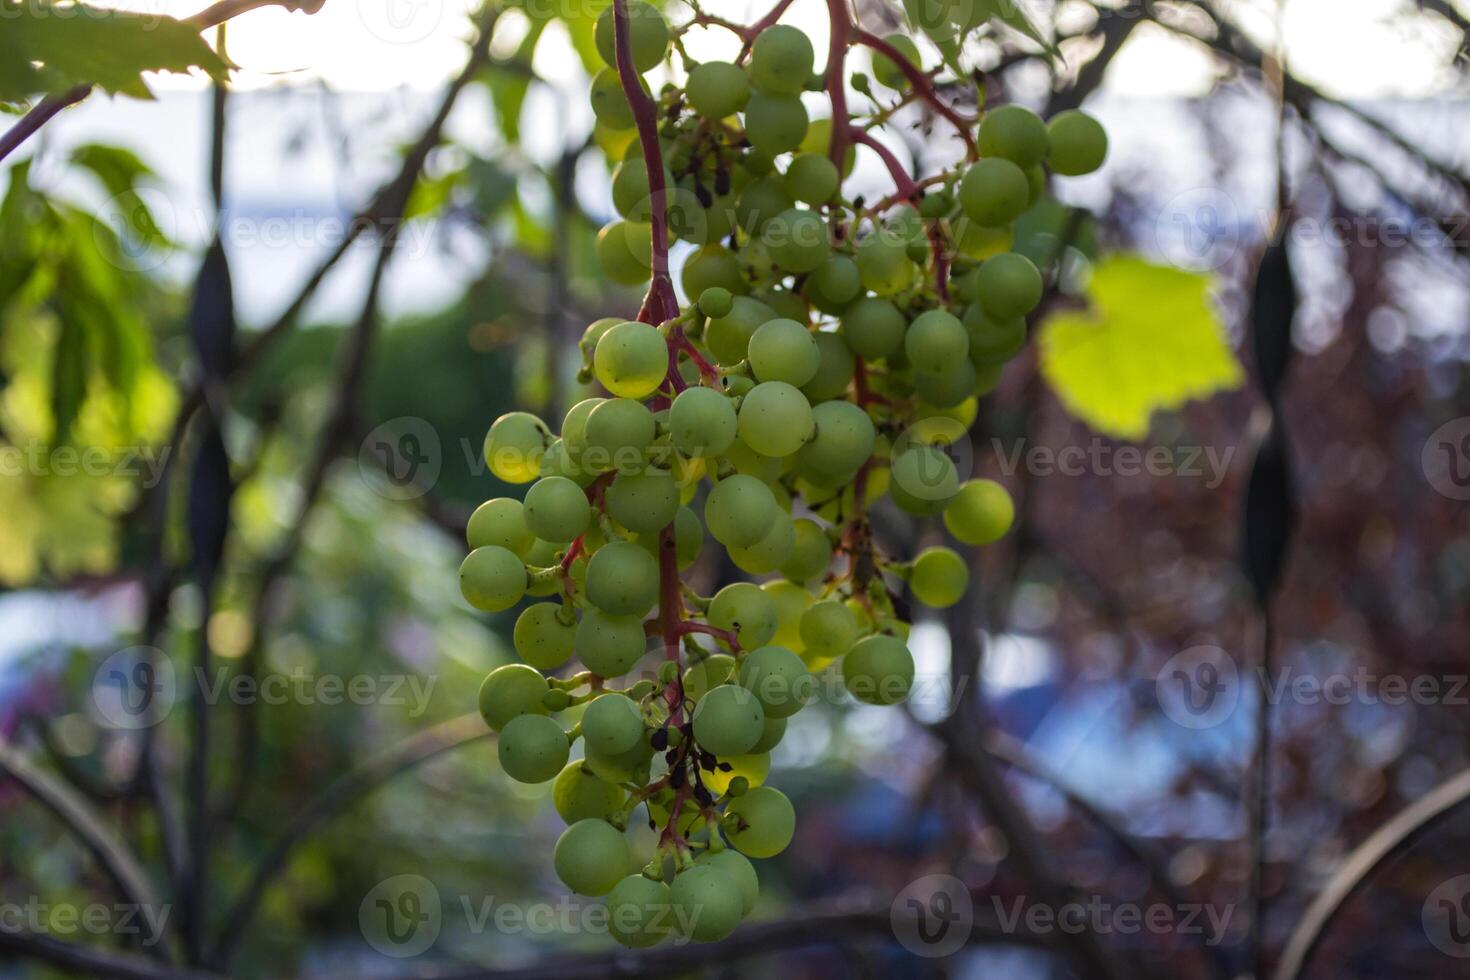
[993, 341]
[781, 60]
[617, 433]
[760, 201]
[739, 869]
[1079, 144]
[631, 193]
[784, 350]
[768, 819]
[579, 795]
[622, 579]
[643, 502]
[702, 422]
[771, 735]
[509, 692]
[778, 679]
[878, 670]
[843, 441]
[828, 629]
[543, 636]
[574, 424]
[561, 462]
[791, 602]
[612, 724]
[623, 252]
[728, 720]
[935, 339]
[631, 360]
[812, 178]
[994, 192]
[873, 328]
[729, 336]
[770, 552]
[1010, 286]
[609, 104]
[947, 387]
[708, 903]
[834, 284]
[887, 71]
[492, 579]
[785, 304]
[532, 748]
[648, 36]
[556, 509]
[712, 266]
[748, 462]
[609, 646]
[1036, 178]
[923, 480]
[835, 368]
[811, 554]
[1014, 133]
[717, 89]
[939, 578]
[883, 263]
[631, 766]
[744, 608]
[775, 123]
[594, 333]
[775, 419]
[500, 522]
[591, 856]
[796, 240]
[739, 510]
[640, 912]
[716, 301]
[981, 513]
[514, 446]
[709, 673]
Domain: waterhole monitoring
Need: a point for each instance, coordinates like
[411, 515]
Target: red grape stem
[924, 85]
[837, 80]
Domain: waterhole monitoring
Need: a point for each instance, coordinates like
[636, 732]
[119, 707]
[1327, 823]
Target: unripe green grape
[1079, 144]
[887, 71]
[708, 674]
[622, 579]
[873, 328]
[879, 670]
[770, 819]
[612, 724]
[835, 368]
[594, 333]
[843, 441]
[750, 769]
[791, 601]
[591, 856]
[1014, 133]
[711, 266]
[702, 422]
[608, 645]
[939, 578]
[784, 350]
[643, 502]
[514, 446]
[509, 692]
[829, 630]
[975, 241]
[771, 735]
[648, 36]
[729, 336]
[640, 912]
[785, 304]
[631, 360]
[739, 510]
[492, 579]
[1010, 286]
[728, 720]
[770, 552]
[935, 339]
[1036, 178]
[760, 201]
[623, 252]
[630, 189]
[781, 60]
[775, 419]
[739, 869]
[574, 424]
[775, 123]
[542, 554]
[993, 341]
[994, 192]
[778, 679]
[542, 637]
[556, 509]
[948, 386]
[532, 748]
[716, 301]
[500, 522]
[812, 553]
[619, 430]
[707, 902]
[936, 204]
[981, 513]
[631, 766]
[743, 607]
[559, 462]
[717, 89]
[748, 462]
[812, 178]
[923, 480]
[579, 795]
[884, 264]
[834, 284]
[796, 240]
[609, 104]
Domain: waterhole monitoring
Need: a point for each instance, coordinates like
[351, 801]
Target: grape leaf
[1150, 341]
[1013, 15]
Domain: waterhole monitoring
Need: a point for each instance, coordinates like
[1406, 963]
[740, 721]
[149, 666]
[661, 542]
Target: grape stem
[905, 188]
[761, 25]
[729, 637]
[923, 85]
[837, 81]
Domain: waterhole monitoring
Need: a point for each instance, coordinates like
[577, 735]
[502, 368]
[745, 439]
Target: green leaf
[510, 83]
[117, 168]
[1151, 341]
[1013, 15]
[68, 378]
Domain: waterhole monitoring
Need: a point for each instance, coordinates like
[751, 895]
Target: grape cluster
[833, 350]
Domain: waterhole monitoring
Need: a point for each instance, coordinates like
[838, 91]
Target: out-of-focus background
[336, 598]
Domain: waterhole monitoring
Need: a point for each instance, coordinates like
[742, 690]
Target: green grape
[981, 513]
[709, 673]
[591, 856]
[542, 554]
[630, 767]
[739, 869]
[712, 266]
[514, 446]
[781, 60]
[812, 178]
[648, 36]
[923, 480]
[748, 462]
[775, 419]
[509, 692]
[716, 301]
[935, 339]
[778, 679]
[768, 819]
[702, 422]
[844, 440]
[771, 735]
[936, 204]
[640, 912]
[708, 903]
[1036, 179]
[556, 509]
[760, 201]
[612, 724]
[947, 387]
[607, 645]
[883, 263]
[500, 522]
[879, 670]
[630, 189]
[543, 635]
[739, 510]
[993, 341]
[492, 579]
[623, 250]
[622, 579]
[643, 502]
[1014, 133]
[560, 462]
[728, 720]
[729, 336]
[834, 284]
[688, 538]
[631, 360]
[744, 608]
[574, 425]
[994, 192]
[835, 368]
[532, 748]
[785, 304]
[797, 240]
[717, 89]
[784, 350]
[1079, 144]
[811, 554]
[579, 795]
[770, 552]
[617, 433]
[594, 333]
[609, 104]
[873, 328]
[791, 602]
[1010, 286]
[829, 630]
[939, 578]
[887, 71]
[775, 124]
